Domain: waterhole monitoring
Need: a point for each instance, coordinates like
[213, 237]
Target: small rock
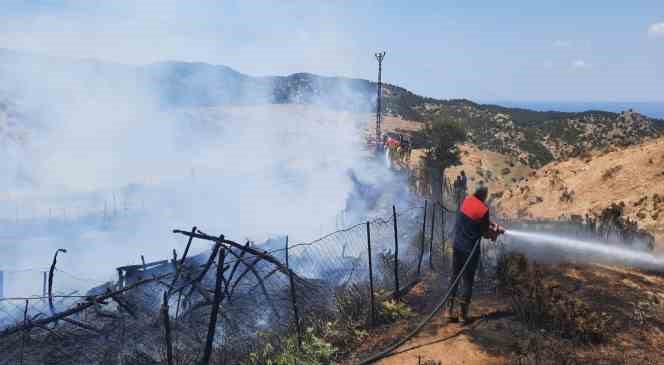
[535, 200]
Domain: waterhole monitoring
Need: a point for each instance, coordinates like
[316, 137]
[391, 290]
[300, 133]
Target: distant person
[409, 149]
[458, 191]
[405, 151]
[463, 181]
[472, 223]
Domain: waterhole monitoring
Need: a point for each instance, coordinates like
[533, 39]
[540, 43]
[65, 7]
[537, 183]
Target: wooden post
[25, 321]
[433, 224]
[212, 326]
[296, 314]
[371, 286]
[396, 253]
[51, 272]
[178, 268]
[424, 227]
[167, 329]
[443, 213]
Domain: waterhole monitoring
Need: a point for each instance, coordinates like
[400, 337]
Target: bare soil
[632, 300]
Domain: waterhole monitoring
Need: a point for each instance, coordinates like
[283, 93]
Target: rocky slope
[537, 138]
[632, 178]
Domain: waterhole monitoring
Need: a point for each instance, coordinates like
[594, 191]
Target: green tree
[441, 138]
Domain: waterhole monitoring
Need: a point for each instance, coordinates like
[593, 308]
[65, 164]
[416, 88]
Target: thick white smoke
[106, 171]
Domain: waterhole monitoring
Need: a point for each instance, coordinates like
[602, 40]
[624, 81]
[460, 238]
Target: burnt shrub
[542, 304]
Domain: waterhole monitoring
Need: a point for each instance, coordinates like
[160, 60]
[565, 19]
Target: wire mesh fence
[224, 305]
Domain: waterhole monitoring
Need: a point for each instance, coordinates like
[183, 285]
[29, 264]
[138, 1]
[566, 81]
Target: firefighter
[471, 225]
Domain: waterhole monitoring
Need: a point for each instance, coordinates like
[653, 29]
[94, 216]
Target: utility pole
[379, 99]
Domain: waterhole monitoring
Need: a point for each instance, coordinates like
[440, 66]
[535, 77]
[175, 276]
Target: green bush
[314, 351]
[541, 155]
[394, 310]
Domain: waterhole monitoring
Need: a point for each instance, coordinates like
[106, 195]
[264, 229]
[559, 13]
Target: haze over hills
[507, 146]
[533, 137]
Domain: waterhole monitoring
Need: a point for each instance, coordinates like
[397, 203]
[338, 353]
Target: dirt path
[449, 344]
[481, 342]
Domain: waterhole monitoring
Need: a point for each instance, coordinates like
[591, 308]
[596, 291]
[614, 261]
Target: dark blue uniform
[471, 224]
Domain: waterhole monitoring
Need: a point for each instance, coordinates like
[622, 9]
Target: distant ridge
[534, 137]
[654, 109]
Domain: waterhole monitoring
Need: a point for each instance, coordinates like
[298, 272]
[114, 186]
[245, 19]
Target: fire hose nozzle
[495, 230]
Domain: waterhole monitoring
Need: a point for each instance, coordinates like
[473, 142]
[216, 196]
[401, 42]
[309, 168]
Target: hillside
[621, 307]
[531, 137]
[631, 177]
[537, 138]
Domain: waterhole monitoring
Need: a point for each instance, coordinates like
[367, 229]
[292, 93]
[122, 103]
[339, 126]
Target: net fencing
[227, 304]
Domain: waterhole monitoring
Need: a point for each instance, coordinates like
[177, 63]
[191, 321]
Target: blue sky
[484, 50]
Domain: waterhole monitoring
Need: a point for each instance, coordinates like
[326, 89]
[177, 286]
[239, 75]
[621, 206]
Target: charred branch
[77, 309]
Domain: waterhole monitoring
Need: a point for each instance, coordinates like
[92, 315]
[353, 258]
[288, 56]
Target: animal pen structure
[224, 304]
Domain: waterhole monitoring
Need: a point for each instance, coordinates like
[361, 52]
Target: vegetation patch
[543, 304]
[540, 155]
[313, 350]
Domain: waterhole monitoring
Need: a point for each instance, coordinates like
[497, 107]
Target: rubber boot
[451, 314]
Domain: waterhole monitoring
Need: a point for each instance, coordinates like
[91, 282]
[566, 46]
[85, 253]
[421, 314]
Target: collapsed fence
[231, 302]
[225, 304]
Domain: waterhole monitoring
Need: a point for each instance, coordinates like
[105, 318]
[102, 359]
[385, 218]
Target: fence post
[25, 321]
[424, 228]
[371, 286]
[296, 314]
[212, 326]
[167, 329]
[178, 268]
[396, 254]
[443, 213]
[433, 224]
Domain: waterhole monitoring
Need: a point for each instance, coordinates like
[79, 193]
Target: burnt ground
[631, 301]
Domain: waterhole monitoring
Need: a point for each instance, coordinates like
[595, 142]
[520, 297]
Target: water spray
[613, 253]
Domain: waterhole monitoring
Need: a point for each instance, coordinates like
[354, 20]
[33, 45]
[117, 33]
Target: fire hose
[386, 353]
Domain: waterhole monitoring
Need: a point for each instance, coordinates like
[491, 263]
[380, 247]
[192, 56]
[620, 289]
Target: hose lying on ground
[425, 321]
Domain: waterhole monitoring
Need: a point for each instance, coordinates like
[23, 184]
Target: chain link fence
[227, 304]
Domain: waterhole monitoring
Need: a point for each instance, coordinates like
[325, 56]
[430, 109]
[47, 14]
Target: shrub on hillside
[539, 154]
[611, 172]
